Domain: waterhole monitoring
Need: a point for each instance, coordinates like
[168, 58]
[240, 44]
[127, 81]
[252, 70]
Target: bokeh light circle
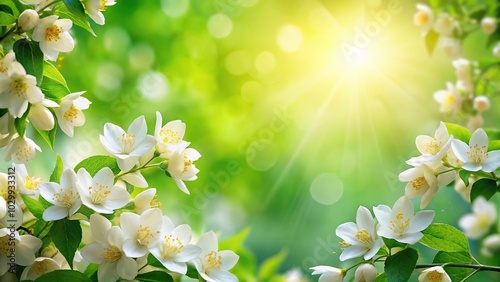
[265, 62]
[220, 25]
[289, 38]
[262, 154]
[326, 189]
[154, 85]
[175, 8]
[238, 62]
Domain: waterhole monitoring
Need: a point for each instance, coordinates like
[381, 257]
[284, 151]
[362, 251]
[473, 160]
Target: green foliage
[391, 243]
[95, 163]
[34, 206]
[270, 267]
[478, 14]
[483, 187]
[49, 136]
[66, 235]
[464, 175]
[382, 277]
[455, 273]
[21, 123]
[75, 14]
[444, 237]
[153, 261]
[91, 269]
[28, 53]
[494, 145]
[431, 40]
[58, 170]
[458, 132]
[63, 275]
[154, 276]
[53, 89]
[6, 18]
[246, 267]
[400, 266]
[50, 71]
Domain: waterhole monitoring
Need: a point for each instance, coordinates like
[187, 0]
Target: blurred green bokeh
[294, 133]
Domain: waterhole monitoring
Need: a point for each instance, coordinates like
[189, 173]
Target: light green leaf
[50, 71]
[28, 53]
[62, 10]
[494, 145]
[21, 123]
[391, 243]
[270, 267]
[458, 132]
[34, 206]
[49, 136]
[91, 269]
[95, 163]
[464, 175]
[483, 187]
[431, 40]
[63, 275]
[154, 276]
[493, 133]
[53, 89]
[58, 170]
[234, 242]
[67, 236]
[400, 266]
[6, 18]
[455, 273]
[381, 278]
[444, 237]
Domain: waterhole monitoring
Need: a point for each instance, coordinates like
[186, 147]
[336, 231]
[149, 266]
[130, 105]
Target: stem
[8, 34]
[462, 265]
[41, 230]
[470, 275]
[39, 10]
[146, 165]
[442, 172]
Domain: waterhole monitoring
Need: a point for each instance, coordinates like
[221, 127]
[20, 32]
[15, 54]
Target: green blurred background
[294, 132]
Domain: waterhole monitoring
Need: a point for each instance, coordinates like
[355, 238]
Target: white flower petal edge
[433, 274]
[328, 273]
[478, 223]
[64, 196]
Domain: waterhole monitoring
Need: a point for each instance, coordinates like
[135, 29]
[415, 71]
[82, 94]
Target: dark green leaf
[391, 243]
[6, 18]
[153, 261]
[458, 132]
[75, 7]
[21, 123]
[63, 275]
[78, 19]
[49, 136]
[444, 237]
[58, 170]
[192, 272]
[381, 278]
[400, 266]
[50, 71]
[483, 187]
[86, 211]
[431, 40]
[53, 89]
[40, 229]
[455, 273]
[494, 37]
[67, 235]
[154, 276]
[464, 175]
[95, 163]
[34, 206]
[28, 53]
[478, 14]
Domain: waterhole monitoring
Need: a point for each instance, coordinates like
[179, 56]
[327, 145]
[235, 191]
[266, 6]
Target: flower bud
[41, 117]
[489, 25]
[28, 19]
[491, 245]
[481, 103]
[365, 273]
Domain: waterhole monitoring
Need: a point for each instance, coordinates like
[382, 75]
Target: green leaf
[431, 40]
[9, 7]
[6, 18]
[493, 133]
[28, 53]
[34, 206]
[86, 211]
[154, 276]
[91, 269]
[400, 266]
[455, 273]
[58, 170]
[234, 242]
[478, 14]
[21, 123]
[75, 7]
[67, 235]
[40, 229]
[382, 277]
[494, 37]
[53, 89]
[458, 132]
[153, 261]
[483, 187]
[50, 71]
[78, 19]
[192, 272]
[464, 175]
[494, 145]
[49, 136]
[63, 275]
[391, 243]
[270, 266]
[95, 163]
[444, 237]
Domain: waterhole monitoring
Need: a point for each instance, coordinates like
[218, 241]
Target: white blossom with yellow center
[432, 148]
[53, 35]
[445, 24]
[39, 267]
[141, 231]
[424, 18]
[169, 137]
[489, 25]
[181, 167]
[99, 193]
[475, 156]
[21, 150]
[69, 113]
[434, 274]
[107, 251]
[24, 247]
[400, 223]
[449, 99]
[127, 146]
[214, 265]
[96, 7]
[479, 222]
[328, 273]
[173, 249]
[146, 200]
[5, 62]
[64, 196]
[26, 184]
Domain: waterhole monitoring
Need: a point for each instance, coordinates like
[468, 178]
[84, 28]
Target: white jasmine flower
[434, 274]
[146, 200]
[432, 148]
[169, 137]
[328, 273]
[5, 62]
[107, 251]
[445, 24]
[489, 25]
[365, 273]
[39, 267]
[424, 18]
[481, 103]
[69, 113]
[96, 7]
[25, 247]
[173, 249]
[99, 193]
[449, 99]
[21, 150]
[140, 231]
[478, 223]
[181, 167]
[26, 184]
[451, 46]
[127, 146]
[17, 89]
[64, 196]
[40, 116]
[400, 223]
[361, 236]
[213, 265]
[53, 35]
[463, 71]
[475, 155]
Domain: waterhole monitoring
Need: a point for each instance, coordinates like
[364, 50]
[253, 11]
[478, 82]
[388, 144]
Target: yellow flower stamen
[53, 33]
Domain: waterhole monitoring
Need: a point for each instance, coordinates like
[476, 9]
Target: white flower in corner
[181, 167]
[21, 150]
[365, 273]
[434, 274]
[107, 251]
[479, 222]
[40, 116]
[17, 89]
[141, 232]
[169, 137]
[400, 223]
[173, 249]
[39, 267]
[361, 236]
[64, 196]
[99, 193]
[25, 247]
[146, 200]
[53, 35]
[328, 273]
[424, 18]
[96, 7]
[475, 155]
[432, 148]
[127, 146]
[69, 113]
[213, 265]
[449, 99]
